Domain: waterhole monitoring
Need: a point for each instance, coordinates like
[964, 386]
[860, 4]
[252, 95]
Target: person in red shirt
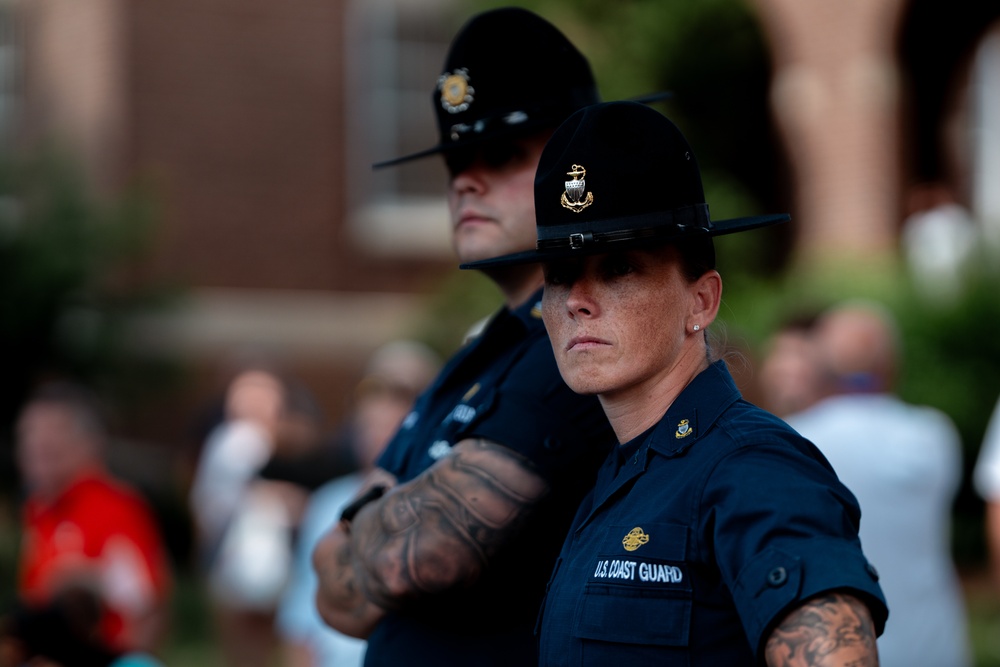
[82, 528]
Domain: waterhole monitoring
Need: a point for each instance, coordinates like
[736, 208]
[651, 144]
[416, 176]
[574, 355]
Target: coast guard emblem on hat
[635, 539]
[684, 429]
[456, 93]
[573, 198]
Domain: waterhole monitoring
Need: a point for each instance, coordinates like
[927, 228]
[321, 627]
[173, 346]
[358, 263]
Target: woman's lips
[585, 343]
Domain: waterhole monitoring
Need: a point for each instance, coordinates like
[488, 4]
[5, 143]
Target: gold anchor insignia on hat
[573, 198]
[635, 539]
[456, 93]
[684, 429]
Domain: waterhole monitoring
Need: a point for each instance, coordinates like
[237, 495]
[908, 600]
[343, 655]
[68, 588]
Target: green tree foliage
[64, 296]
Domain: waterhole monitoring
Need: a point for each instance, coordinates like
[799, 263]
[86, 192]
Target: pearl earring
[696, 327]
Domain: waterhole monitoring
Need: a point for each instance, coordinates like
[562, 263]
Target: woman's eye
[616, 267]
[558, 275]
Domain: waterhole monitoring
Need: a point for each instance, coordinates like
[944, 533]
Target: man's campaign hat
[615, 176]
[508, 73]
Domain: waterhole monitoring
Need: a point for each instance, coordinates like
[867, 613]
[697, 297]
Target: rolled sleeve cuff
[775, 581]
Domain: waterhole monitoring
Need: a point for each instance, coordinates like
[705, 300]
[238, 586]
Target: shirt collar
[530, 312]
[695, 410]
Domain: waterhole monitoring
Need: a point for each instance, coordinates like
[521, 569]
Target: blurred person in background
[903, 462]
[395, 375]
[986, 478]
[790, 376]
[83, 529]
[446, 563]
[246, 524]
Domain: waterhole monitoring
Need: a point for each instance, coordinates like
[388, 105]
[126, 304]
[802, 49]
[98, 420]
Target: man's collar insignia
[456, 93]
[473, 390]
[576, 198]
[684, 429]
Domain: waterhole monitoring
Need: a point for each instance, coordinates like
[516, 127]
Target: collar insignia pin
[635, 539]
[684, 429]
[456, 93]
[473, 390]
[576, 198]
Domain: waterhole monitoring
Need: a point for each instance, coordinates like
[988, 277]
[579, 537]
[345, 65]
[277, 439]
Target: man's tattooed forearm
[440, 530]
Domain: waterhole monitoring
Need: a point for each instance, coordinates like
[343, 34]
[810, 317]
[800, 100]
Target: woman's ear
[706, 295]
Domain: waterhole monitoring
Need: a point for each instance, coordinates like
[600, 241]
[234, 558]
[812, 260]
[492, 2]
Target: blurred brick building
[257, 122]
[239, 116]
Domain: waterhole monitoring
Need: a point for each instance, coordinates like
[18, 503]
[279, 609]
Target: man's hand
[834, 630]
[432, 534]
[339, 599]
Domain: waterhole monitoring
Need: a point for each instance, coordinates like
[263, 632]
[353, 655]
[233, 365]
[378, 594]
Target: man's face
[491, 198]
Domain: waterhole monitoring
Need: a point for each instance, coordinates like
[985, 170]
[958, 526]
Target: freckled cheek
[553, 306]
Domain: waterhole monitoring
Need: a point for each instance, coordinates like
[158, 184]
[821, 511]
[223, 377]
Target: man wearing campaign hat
[715, 534]
[443, 558]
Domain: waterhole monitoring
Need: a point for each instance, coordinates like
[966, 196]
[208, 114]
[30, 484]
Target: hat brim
[508, 133]
[642, 238]
[512, 131]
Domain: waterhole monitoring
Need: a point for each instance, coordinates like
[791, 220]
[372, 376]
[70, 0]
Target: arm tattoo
[833, 630]
[440, 530]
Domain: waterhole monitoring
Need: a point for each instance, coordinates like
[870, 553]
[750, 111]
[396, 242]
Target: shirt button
[777, 577]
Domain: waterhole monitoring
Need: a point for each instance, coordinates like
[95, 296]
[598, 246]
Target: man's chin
[468, 251]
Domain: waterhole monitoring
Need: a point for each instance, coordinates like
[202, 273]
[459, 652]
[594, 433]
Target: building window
[395, 50]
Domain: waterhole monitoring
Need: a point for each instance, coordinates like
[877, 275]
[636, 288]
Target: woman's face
[623, 322]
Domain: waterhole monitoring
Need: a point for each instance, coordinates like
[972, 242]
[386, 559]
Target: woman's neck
[639, 407]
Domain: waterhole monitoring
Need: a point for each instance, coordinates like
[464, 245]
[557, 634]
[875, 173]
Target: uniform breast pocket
[639, 592]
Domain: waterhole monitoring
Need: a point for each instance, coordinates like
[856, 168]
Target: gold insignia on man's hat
[456, 93]
[635, 539]
[576, 198]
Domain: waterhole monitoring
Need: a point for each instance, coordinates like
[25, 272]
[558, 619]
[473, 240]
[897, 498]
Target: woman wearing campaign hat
[715, 534]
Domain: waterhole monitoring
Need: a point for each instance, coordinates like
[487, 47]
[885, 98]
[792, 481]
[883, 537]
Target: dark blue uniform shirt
[721, 519]
[504, 387]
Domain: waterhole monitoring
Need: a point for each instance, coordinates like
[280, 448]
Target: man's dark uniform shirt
[503, 386]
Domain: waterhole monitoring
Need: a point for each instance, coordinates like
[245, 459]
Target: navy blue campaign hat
[508, 73]
[615, 176]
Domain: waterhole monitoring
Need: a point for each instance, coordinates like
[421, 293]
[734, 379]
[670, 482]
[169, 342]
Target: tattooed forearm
[339, 600]
[833, 630]
[440, 530]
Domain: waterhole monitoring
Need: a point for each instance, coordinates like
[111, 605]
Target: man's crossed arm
[432, 534]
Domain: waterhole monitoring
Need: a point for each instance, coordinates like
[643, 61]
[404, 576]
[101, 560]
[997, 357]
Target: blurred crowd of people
[95, 580]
